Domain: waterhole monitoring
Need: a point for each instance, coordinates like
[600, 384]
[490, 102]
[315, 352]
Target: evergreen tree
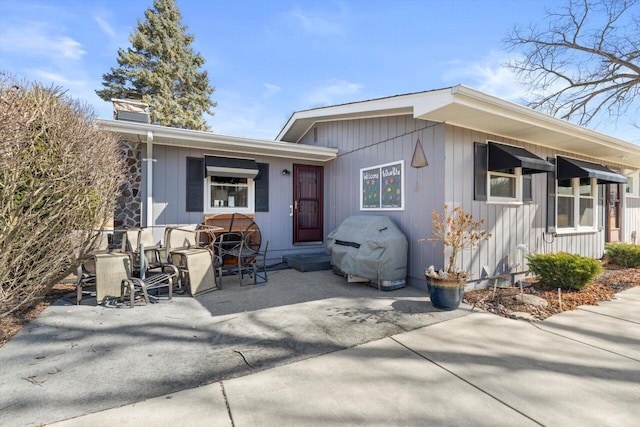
[163, 68]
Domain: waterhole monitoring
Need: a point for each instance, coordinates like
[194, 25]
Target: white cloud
[239, 115]
[270, 90]
[334, 92]
[487, 75]
[56, 78]
[319, 23]
[105, 26]
[35, 39]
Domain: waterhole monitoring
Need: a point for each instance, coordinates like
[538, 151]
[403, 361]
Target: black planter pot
[445, 294]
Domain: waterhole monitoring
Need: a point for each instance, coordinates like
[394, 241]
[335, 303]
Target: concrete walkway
[579, 368]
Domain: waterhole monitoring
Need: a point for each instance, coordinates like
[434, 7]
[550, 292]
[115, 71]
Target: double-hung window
[576, 198]
[632, 188]
[505, 185]
[576, 204]
[504, 173]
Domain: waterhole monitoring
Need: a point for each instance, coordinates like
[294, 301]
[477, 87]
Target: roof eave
[163, 135]
[476, 110]
[301, 122]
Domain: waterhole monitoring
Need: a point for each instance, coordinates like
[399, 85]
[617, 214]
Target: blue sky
[268, 59]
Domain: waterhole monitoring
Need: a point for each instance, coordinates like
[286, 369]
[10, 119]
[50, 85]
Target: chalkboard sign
[370, 188]
[382, 187]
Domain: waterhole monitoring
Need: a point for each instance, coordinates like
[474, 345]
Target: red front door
[307, 203]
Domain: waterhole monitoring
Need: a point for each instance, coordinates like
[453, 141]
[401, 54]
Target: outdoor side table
[196, 266]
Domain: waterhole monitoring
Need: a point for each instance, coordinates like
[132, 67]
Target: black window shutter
[480, 163]
[551, 199]
[262, 188]
[527, 188]
[195, 184]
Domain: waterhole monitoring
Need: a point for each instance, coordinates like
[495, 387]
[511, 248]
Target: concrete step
[309, 261]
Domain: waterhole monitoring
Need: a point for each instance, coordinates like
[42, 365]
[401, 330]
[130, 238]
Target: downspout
[150, 160]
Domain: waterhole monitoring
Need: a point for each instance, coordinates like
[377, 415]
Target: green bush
[623, 254]
[563, 270]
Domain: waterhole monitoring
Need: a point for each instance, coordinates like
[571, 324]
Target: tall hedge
[59, 179]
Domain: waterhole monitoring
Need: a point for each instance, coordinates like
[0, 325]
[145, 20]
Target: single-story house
[540, 183]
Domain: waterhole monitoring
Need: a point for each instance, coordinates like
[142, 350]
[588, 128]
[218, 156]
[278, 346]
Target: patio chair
[251, 260]
[111, 269]
[133, 238]
[86, 270]
[239, 254]
[131, 286]
[182, 237]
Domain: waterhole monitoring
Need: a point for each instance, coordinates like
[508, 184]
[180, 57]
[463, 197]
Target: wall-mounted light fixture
[419, 160]
[286, 172]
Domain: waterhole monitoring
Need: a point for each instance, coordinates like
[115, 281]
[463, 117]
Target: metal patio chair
[239, 254]
[86, 270]
[132, 286]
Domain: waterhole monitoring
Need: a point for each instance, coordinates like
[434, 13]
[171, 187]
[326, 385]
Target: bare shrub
[59, 178]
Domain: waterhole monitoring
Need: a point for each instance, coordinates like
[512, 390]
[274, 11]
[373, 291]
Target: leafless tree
[584, 62]
[59, 177]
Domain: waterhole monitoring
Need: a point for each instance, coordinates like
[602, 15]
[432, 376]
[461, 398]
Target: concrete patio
[75, 360]
[579, 368]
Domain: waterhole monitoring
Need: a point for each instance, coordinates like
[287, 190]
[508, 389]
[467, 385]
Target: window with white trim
[576, 204]
[632, 187]
[229, 194]
[505, 185]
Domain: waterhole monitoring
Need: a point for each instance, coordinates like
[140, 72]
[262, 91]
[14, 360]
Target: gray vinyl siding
[631, 220]
[370, 142]
[169, 187]
[510, 225]
[447, 179]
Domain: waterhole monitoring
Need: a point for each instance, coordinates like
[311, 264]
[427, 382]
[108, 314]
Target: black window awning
[230, 167]
[507, 157]
[570, 168]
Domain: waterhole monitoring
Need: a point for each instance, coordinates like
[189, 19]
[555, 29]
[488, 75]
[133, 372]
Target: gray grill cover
[369, 246]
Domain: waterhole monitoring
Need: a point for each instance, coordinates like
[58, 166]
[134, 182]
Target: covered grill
[370, 247]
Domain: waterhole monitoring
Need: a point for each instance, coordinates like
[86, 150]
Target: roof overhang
[162, 135]
[468, 108]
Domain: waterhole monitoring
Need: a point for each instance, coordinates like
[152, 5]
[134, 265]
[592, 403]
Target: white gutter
[206, 140]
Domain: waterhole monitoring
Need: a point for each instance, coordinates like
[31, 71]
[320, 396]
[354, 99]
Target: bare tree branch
[586, 62]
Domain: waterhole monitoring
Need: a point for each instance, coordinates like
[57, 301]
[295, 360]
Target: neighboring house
[540, 183]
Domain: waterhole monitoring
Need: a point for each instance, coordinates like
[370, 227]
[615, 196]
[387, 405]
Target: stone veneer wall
[128, 206]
